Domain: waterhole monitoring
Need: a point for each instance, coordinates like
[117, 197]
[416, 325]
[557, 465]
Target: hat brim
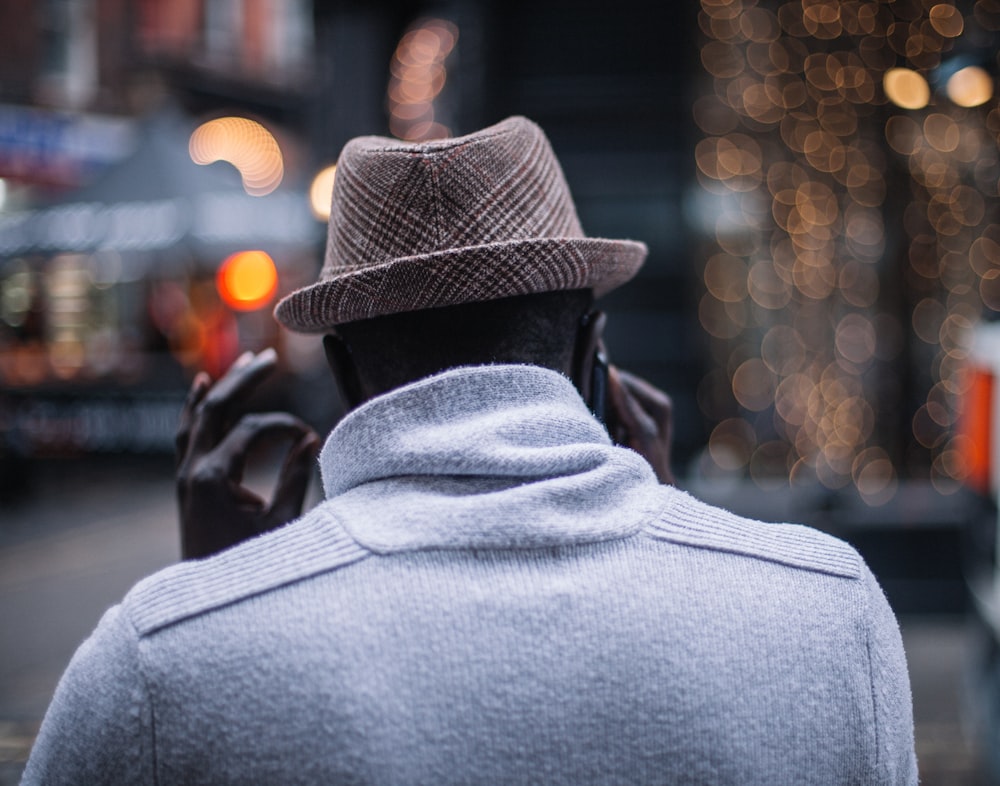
[462, 275]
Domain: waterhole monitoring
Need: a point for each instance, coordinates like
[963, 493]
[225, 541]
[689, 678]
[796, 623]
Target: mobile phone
[599, 386]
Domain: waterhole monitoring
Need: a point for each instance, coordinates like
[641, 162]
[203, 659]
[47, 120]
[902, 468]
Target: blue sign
[43, 146]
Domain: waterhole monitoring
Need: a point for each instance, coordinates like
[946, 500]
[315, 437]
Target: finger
[243, 359]
[616, 407]
[657, 407]
[630, 415]
[653, 400]
[293, 482]
[242, 377]
[199, 387]
[213, 415]
[628, 418]
[228, 458]
[648, 435]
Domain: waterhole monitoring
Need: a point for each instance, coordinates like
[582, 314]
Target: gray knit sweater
[493, 593]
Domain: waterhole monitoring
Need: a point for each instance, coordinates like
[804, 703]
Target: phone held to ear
[592, 378]
[599, 386]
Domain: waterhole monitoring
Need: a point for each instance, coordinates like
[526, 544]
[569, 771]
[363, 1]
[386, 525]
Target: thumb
[293, 481]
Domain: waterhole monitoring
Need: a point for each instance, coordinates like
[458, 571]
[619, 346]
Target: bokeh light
[247, 280]
[817, 117]
[906, 88]
[321, 192]
[946, 20]
[970, 86]
[418, 76]
[245, 144]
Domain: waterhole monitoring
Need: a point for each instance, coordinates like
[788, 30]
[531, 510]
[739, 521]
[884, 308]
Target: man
[492, 591]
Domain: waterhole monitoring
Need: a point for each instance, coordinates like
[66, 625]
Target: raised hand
[641, 418]
[216, 510]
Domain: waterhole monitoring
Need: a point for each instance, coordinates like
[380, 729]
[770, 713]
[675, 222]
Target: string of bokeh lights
[812, 102]
[417, 77]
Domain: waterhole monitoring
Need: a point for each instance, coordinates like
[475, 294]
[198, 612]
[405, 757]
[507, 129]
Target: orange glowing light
[975, 424]
[906, 88]
[971, 86]
[247, 280]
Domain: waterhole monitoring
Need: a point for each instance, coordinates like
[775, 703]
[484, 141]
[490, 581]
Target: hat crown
[394, 199]
[425, 225]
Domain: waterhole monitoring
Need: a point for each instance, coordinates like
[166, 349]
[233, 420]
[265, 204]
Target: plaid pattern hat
[478, 217]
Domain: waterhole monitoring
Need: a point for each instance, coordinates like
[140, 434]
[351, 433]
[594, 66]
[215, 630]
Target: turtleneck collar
[483, 456]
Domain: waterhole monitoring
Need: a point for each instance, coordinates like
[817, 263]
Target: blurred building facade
[113, 234]
[817, 183]
[88, 73]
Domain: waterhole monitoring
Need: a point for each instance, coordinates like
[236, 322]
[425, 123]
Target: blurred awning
[49, 147]
[158, 200]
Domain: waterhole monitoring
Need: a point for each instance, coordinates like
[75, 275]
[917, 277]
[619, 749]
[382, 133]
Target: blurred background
[817, 182]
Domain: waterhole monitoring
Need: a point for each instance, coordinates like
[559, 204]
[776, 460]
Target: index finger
[199, 386]
[654, 400]
[214, 412]
[631, 418]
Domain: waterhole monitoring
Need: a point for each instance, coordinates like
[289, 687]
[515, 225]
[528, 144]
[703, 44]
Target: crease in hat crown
[429, 224]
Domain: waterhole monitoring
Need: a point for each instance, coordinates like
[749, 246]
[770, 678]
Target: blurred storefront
[113, 297]
[817, 183]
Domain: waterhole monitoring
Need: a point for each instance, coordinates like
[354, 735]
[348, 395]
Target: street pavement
[83, 531]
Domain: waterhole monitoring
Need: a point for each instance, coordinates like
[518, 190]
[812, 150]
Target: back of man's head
[540, 329]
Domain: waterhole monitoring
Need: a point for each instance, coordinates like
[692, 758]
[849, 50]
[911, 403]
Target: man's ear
[588, 342]
[345, 372]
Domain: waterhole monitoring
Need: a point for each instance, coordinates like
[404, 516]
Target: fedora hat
[478, 217]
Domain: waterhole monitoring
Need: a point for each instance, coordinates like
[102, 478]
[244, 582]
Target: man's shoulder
[691, 522]
[314, 544]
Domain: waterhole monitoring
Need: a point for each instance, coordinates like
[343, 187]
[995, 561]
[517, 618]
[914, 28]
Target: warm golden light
[418, 77]
[971, 86]
[794, 157]
[247, 280]
[941, 132]
[321, 192]
[245, 144]
[906, 88]
[875, 476]
[947, 20]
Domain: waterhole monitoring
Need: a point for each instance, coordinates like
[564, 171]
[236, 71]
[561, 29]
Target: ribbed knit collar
[484, 456]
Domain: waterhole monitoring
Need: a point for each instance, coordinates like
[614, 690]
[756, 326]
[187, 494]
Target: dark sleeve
[98, 728]
[896, 761]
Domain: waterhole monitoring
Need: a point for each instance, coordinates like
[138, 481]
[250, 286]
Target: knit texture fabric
[493, 593]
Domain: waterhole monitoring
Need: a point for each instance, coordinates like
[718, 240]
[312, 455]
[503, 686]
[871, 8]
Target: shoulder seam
[688, 521]
[315, 544]
[140, 667]
[867, 622]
